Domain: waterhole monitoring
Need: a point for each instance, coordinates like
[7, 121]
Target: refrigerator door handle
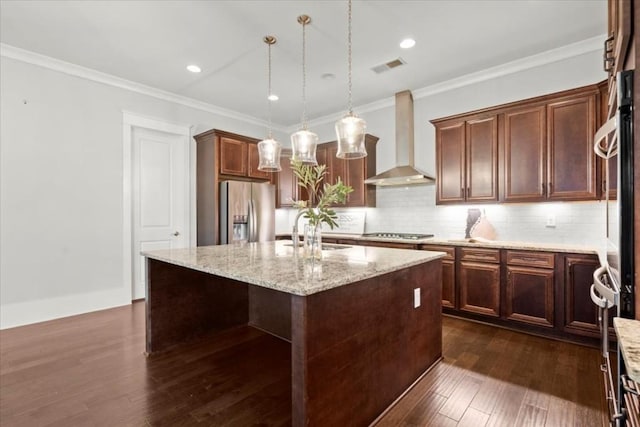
[253, 235]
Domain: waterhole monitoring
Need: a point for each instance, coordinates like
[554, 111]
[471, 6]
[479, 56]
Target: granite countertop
[628, 332]
[476, 243]
[274, 265]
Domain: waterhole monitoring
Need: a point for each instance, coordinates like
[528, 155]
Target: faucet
[294, 233]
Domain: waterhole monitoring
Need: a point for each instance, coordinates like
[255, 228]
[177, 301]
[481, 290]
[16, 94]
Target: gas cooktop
[401, 236]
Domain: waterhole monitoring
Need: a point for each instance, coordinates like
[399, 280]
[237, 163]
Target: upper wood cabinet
[534, 150]
[239, 157]
[524, 154]
[571, 124]
[286, 184]
[467, 158]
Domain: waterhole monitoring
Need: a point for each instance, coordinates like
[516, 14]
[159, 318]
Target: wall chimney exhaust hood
[405, 173]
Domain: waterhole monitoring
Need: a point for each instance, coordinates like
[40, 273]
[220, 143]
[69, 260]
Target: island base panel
[184, 304]
[356, 348]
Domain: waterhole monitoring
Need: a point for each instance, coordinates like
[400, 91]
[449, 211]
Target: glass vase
[312, 246]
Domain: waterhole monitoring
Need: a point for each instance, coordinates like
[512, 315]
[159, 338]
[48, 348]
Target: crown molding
[54, 64]
[550, 56]
[533, 61]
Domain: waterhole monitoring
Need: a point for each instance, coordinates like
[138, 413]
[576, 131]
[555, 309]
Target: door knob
[177, 233]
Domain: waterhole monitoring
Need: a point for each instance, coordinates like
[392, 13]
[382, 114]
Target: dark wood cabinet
[286, 184]
[449, 299]
[482, 159]
[581, 314]
[529, 290]
[450, 160]
[467, 158]
[539, 149]
[571, 124]
[479, 281]
[254, 162]
[233, 157]
[523, 155]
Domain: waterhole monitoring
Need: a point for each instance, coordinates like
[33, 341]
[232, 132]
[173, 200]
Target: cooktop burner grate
[403, 236]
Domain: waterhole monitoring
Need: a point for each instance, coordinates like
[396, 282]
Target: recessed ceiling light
[328, 76]
[407, 43]
[194, 68]
[273, 97]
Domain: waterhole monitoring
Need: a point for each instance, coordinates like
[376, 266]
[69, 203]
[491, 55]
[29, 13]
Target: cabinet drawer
[450, 252]
[531, 259]
[481, 255]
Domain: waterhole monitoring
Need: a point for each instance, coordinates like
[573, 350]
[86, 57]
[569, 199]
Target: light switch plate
[416, 298]
[551, 221]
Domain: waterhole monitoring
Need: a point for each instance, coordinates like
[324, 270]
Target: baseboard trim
[29, 312]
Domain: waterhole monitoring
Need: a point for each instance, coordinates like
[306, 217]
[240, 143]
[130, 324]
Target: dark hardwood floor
[90, 370]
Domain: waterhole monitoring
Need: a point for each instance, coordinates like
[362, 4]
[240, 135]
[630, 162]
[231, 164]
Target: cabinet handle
[550, 190]
[544, 190]
[463, 192]
[468, 192]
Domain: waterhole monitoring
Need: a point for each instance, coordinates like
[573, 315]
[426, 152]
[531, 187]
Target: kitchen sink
[326, 246]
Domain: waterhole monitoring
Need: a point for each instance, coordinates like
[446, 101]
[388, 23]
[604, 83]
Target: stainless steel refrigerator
[247, 212]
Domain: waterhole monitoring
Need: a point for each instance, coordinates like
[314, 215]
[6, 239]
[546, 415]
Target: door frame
[131, 121]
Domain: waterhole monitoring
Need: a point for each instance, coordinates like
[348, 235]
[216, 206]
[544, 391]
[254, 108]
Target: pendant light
[269, 149]
[351, 128]
[304, 142]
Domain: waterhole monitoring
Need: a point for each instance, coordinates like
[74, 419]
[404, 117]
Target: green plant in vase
[317, 209]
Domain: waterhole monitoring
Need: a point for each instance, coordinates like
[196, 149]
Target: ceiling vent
[388, 66]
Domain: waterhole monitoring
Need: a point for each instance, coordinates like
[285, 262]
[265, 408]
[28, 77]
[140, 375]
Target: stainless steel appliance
[613, 286]
[247, 212]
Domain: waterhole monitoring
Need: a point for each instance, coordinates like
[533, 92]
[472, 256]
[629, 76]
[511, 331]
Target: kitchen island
[364, 323]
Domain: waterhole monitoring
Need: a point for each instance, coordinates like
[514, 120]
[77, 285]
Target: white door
[160, 197]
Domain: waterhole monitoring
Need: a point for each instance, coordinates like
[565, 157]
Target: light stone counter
[475, 243]
[628, 332]
[274, 265]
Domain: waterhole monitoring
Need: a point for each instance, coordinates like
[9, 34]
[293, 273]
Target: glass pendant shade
[269, 154]
[350, 131]
[303, 147]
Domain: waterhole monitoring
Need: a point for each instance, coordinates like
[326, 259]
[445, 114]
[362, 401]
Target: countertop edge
[426, 256]
[628, 332]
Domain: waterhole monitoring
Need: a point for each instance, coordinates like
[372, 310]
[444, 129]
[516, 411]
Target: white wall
[413, 209]
[61, 189]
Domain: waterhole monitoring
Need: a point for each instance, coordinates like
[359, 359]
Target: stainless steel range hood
[405, 173]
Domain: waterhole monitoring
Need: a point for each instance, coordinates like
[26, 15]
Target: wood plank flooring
[89, 370]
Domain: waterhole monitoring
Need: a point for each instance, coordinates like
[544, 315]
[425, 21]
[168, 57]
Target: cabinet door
[482, 160]
[480, 288]
[524, 169]
[286, 183]
[571, 160]
[448, 284]
[233, 157]
[450, 166]
[530, 295]
[355, 172]
[581, 314]
[254, 161]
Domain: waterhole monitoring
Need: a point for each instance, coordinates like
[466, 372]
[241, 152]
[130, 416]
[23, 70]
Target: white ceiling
[151, 42]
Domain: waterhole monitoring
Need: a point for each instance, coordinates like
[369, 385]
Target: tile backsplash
[413, 210]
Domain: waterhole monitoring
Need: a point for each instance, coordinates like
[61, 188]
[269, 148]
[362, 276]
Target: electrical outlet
[416, 298]
[551, 221]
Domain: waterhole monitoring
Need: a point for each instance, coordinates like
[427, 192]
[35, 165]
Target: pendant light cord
[304, 20]
[350, 105]
[269, 94]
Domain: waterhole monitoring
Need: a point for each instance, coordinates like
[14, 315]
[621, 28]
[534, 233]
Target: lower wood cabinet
[449, 297]
[529, 295]
[581, 314]
[479, 286]
[529, 290]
